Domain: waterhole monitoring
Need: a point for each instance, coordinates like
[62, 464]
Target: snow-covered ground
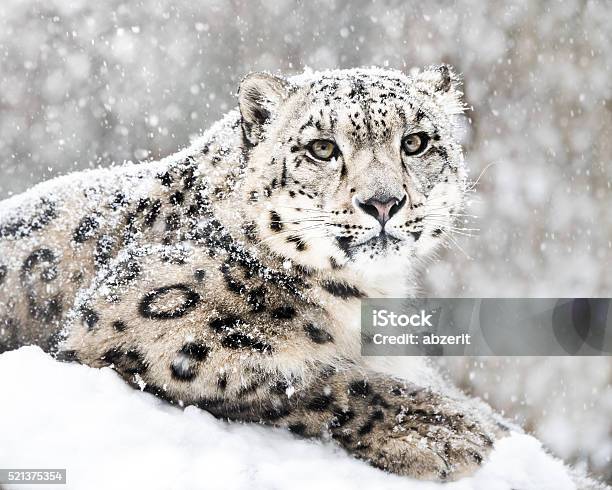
[108, 435]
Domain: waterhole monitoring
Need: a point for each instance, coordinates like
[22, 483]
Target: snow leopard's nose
[382, 210]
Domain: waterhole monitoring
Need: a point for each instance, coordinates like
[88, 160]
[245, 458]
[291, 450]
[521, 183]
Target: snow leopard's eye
[323, 149]
[415, 143]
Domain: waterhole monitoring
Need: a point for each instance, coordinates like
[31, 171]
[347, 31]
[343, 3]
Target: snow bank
[108, 435]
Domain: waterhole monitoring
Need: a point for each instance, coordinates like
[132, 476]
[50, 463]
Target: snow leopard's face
[353, 168]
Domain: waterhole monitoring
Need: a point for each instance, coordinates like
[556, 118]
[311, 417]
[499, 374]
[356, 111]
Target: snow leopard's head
[353, 168]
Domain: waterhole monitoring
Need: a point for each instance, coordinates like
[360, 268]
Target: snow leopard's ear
[438, 78]
[259, 97]
[443, 84]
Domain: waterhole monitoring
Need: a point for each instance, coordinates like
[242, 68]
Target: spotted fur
[229, 275]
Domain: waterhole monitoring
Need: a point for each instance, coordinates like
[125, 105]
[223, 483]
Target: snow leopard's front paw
[423, 435]
[429, 447]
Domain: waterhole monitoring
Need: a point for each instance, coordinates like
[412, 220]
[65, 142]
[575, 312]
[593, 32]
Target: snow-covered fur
[229, 275]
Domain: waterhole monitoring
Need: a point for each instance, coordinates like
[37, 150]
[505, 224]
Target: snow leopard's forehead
[373, 105]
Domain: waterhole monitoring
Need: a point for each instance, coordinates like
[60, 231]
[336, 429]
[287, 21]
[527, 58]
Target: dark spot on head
[176, 198]
[193, 210]
[416, 234]
[199, 274]
[303, 270]
[275, 221]
[188, 178]
[250, 230]
[344, 243]
[166, 179]
[173, 222]
[341, 289]
[334, 263]
[299, 242]
[143, 204]
[436, 232]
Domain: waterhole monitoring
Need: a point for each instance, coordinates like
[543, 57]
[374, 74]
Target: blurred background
[86, 83]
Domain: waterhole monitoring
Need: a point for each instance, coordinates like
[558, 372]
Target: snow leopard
[229, 276]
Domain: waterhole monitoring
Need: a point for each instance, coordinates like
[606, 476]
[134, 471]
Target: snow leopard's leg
[392, 424]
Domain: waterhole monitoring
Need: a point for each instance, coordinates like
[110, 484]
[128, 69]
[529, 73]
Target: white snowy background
[86, 83]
